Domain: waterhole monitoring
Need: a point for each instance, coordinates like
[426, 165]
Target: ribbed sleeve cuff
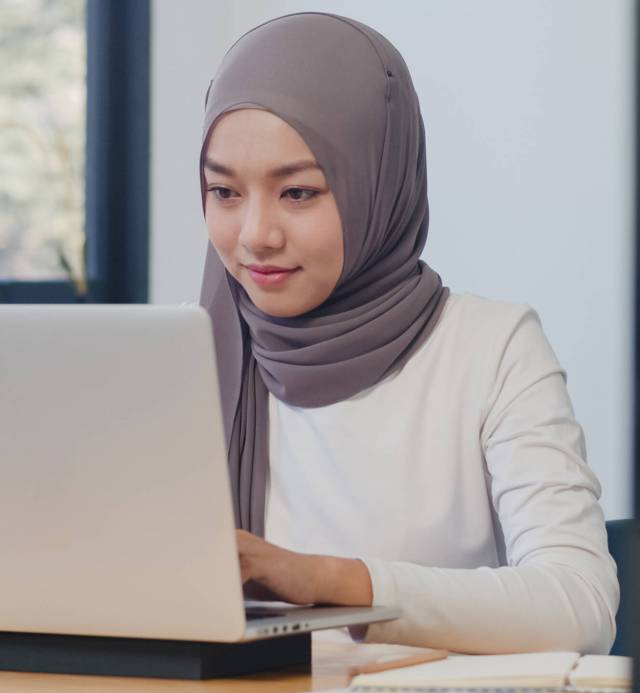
[382, 582]
[384, 593]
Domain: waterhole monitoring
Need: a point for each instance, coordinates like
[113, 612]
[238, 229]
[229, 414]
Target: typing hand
[271, 572]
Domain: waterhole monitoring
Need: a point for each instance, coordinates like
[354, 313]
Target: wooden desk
[331, 661]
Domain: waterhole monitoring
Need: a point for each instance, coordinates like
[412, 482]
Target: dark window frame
[117, 162]
[633, 556]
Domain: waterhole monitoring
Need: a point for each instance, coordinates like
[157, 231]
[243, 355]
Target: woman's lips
[268, 275]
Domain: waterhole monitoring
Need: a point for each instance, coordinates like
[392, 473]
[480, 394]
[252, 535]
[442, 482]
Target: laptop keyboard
[255, 612]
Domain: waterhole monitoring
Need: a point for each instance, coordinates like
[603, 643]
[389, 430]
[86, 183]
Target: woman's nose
[260, 229]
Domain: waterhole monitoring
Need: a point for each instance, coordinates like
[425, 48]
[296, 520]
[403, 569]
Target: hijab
[347, 91]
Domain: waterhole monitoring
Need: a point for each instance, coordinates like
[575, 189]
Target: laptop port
[295, 627]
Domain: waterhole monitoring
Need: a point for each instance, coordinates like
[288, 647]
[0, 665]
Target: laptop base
[166, 659]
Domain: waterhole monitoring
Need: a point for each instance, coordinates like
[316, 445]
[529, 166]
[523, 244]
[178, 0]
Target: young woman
[390, 442]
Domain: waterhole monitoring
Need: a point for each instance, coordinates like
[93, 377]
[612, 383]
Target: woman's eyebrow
[279, 172]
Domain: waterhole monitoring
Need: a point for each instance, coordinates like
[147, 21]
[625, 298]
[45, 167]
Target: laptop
[115, 507]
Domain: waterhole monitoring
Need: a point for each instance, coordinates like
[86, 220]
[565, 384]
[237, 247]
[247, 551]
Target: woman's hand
[301, 578]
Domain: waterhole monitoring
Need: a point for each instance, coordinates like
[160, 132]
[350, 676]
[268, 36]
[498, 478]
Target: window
[74, 151]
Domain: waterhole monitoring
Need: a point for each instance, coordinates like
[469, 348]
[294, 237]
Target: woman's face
[270, 214]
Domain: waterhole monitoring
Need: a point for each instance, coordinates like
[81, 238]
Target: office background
[528, 109]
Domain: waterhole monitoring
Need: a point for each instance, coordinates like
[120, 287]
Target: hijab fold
[348, 93]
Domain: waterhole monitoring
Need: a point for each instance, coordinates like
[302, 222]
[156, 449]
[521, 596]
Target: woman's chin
[280, 305]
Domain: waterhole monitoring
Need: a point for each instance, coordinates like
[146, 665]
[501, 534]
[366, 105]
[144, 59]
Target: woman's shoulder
[500, 335]
[478, 316]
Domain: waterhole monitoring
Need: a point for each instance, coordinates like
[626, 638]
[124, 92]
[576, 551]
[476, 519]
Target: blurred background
[528, 108]
[42, 139]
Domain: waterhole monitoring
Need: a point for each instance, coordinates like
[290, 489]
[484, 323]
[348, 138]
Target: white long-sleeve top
[461, 481]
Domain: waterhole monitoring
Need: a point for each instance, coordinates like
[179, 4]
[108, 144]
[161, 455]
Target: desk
[332, 656]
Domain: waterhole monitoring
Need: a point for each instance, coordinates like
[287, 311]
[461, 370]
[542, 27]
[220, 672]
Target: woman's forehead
[255, 136]
[256, 128]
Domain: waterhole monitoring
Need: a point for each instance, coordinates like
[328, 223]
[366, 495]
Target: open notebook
[530, 670]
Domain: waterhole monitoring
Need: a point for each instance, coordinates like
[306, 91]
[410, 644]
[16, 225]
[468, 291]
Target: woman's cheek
[223, 240]
[329, 256]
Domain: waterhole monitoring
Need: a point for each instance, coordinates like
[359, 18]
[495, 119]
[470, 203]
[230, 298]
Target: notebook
[602, 671]
[529, 670]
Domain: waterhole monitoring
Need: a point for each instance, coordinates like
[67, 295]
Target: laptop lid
[115, 510]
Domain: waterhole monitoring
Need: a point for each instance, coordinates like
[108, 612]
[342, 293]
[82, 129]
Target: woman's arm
[559, 588]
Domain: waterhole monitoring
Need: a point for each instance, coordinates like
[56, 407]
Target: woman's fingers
[271, 571]
[255, 554]
[256, 590]
[300, 578]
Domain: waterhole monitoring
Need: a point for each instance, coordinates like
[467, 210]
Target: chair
[624, 546]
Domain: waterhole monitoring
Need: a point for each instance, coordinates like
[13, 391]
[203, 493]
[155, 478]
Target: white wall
[528, 111]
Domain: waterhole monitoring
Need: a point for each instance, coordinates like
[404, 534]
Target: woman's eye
[300, 194]
[294, 194]
[221, 193]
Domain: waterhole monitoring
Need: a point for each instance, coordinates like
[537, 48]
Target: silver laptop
[115, 507]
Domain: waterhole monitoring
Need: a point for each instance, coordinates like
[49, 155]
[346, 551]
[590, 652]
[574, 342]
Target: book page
[602, 671]
[530, 669]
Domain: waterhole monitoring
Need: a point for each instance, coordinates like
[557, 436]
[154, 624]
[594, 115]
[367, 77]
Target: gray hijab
[348, 93]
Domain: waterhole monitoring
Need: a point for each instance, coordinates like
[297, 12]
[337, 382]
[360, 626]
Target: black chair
[624, 546]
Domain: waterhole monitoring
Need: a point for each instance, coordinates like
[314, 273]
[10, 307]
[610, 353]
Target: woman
[390, 442]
